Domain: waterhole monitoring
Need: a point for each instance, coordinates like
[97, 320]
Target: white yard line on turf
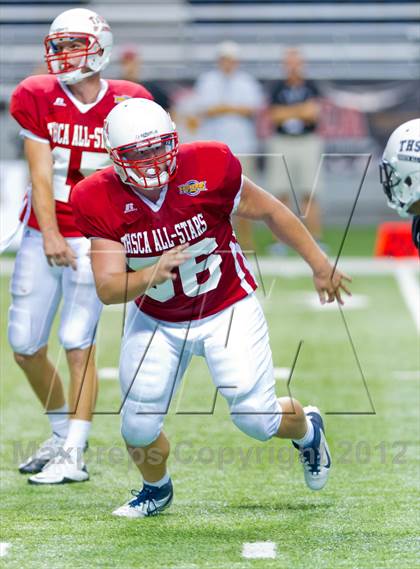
[407, 375]
[3, 548]
[6, 266]
[297, 267]
[311, 300]
[363, 266]
[259, 550]
[282, 373]
[408, 282]
[108, 373]
[404, 270]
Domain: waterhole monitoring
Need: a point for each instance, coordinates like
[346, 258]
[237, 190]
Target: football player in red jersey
[61, 116]
[164, 211]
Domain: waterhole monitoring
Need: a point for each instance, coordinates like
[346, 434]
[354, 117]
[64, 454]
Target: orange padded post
[393, 239]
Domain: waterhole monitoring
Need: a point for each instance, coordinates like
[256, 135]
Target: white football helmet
[400, 167]
[82, 25]
[142, 143]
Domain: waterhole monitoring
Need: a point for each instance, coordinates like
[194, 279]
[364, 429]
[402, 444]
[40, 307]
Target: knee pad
[78, 326]
[81, 307]
[257, 419]
[76, 335]
[35, 291]
[137, 429]
[19, 332]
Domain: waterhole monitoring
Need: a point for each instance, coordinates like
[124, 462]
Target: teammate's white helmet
[142, 142]
[400, 167]
[82, 25]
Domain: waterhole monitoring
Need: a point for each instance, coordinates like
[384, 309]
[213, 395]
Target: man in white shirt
[227, 102]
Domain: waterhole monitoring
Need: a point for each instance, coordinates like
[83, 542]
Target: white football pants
[37, 289]
[235, 344]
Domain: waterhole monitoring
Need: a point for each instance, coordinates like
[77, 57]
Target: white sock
[160, 482]
[307, 439]
[78, 433]
[59, 420]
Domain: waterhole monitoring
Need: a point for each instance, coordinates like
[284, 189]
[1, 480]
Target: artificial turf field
[230, 489]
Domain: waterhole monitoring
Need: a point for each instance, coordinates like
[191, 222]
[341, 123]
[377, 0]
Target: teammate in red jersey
[61, 116]
[165, 211]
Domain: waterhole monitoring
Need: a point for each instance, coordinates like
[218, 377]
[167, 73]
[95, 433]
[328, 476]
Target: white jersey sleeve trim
[237, 197]
[24, 133]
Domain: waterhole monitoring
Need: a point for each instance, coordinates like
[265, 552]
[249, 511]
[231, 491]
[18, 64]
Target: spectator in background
[227, 102]
[294, 112]
[131, 70]
[183, 113]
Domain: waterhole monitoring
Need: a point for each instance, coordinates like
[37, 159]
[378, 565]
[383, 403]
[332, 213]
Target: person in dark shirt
[400, 173]
[294, 151]
[131, 64]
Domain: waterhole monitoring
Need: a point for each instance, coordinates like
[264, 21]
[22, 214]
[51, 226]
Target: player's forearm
[43, 204]
[288, 228]
[40, 162]
[123, 287]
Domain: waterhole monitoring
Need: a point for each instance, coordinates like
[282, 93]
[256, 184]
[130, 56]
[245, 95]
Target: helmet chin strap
[164, 176]
[153, 182]
[76, 76]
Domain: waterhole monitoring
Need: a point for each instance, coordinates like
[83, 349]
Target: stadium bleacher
[177, 38]
[365, 43]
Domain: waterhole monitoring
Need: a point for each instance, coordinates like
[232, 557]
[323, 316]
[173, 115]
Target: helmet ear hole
[408, 181]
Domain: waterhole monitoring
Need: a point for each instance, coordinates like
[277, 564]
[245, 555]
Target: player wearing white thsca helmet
[400, 169]
[400, 173]
[78, 45]
[144, 156]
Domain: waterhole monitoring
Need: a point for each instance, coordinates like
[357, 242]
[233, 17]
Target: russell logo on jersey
[192, 188]
[60, 102]
[129, 207]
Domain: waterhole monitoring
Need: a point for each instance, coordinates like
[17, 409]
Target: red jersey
[194, 208]
[46, 109]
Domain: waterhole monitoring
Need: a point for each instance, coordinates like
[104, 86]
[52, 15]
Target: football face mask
[403, 194]
[389, 178]
[148, 164]
[68, 52]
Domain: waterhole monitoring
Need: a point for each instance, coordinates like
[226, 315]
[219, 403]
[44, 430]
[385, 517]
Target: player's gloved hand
[57, 250]
[329, 282]
[163, 269]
